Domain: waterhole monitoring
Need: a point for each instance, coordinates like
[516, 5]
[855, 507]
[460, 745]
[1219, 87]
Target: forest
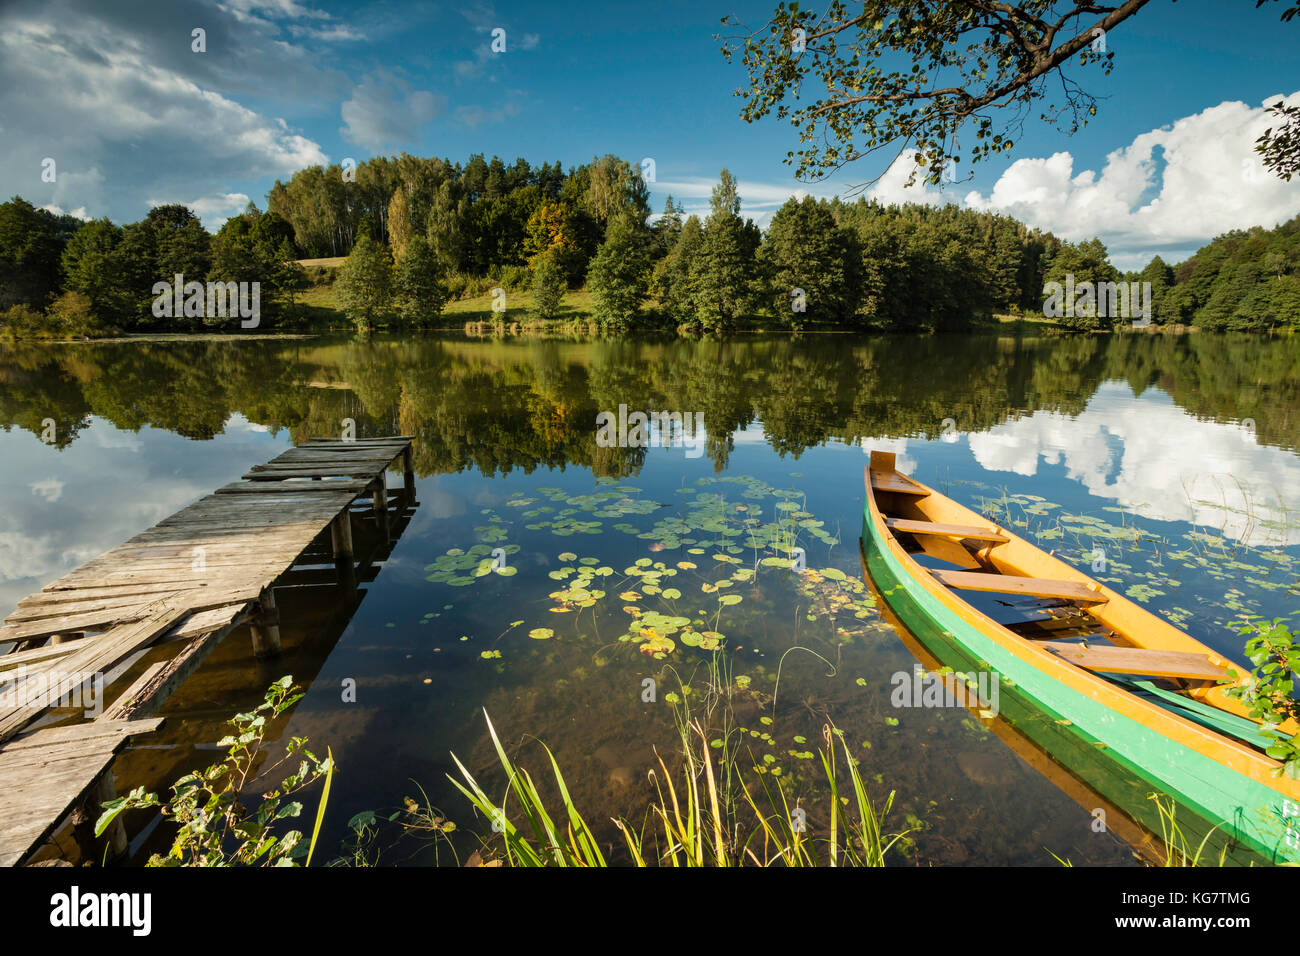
[398, 239]
[499, 405]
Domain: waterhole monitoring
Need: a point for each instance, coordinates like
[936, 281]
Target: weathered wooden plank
[1137, 660]
[360, 441]
[893, 481]
[101, 653]
[94, 620]
[80, 732]
[31, 612]
[342, 470]
[82, 594]
[945, 530]
[151, 694]
[38, 794]
[1010, 584]
[206, 621]
[35, 655]
[120, 709]
[355, 486]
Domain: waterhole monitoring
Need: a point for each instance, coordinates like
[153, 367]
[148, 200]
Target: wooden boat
[1083, 656]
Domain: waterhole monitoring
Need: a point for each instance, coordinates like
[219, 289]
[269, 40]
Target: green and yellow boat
[1084, 673]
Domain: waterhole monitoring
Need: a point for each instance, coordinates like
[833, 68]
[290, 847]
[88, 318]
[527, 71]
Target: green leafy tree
[672, 279]
[1161, 277]
[1279, 145]
[619, 275]
[549, 285]
[723, 272]
[877, 63]
[419, 292]
[446, 227]
[73, 313]
[258, 247]
[813, 264]
[555, 227]
[1083, 262]
[364, 287]
[184, 250]
[30, 252]
[90, 267]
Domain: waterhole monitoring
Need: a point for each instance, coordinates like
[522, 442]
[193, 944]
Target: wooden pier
[188, 581]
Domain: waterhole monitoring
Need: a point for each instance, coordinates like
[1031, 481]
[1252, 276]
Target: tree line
[545, 394]
[419, 232]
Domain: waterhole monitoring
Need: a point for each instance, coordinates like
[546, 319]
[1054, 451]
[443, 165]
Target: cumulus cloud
[384, 110]
[115, 95]
[1154, 459]
[1168, 192]
[213, 211]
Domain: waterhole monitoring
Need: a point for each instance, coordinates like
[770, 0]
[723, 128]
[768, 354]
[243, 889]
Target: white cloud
[1203, 170]
[128, 111]
[51, 489]
[384, 110]
[78, 213]
[258, 9]
[1154, 459]
[473, 116]
[213, 211]
[1169, 192]
[758, 200]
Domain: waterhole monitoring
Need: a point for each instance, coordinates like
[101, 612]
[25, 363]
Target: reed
[694, 818]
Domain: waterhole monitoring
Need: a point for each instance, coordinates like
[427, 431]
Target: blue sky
[113, 92]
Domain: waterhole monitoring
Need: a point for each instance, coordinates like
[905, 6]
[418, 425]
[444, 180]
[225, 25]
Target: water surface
[1168, 464]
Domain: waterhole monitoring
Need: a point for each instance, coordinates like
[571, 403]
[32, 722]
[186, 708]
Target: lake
[522, 585]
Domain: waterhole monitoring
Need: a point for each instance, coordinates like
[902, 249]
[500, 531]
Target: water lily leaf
[729, 599]
[541, 633]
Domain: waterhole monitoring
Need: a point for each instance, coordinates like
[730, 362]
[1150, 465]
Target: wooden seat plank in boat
[1010, 584]
[893, 481]
[1137, 660]
[945, 530]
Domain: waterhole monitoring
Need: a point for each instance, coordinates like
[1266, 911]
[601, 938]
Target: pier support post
[380, 501]
[266, 627]
[341, 540]
[408, 475]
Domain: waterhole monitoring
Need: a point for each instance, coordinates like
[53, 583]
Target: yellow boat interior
[1005, 580]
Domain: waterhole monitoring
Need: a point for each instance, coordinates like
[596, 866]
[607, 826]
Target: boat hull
[1120, 757]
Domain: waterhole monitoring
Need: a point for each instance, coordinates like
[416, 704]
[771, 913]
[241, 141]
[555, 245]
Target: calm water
[1173, 459]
